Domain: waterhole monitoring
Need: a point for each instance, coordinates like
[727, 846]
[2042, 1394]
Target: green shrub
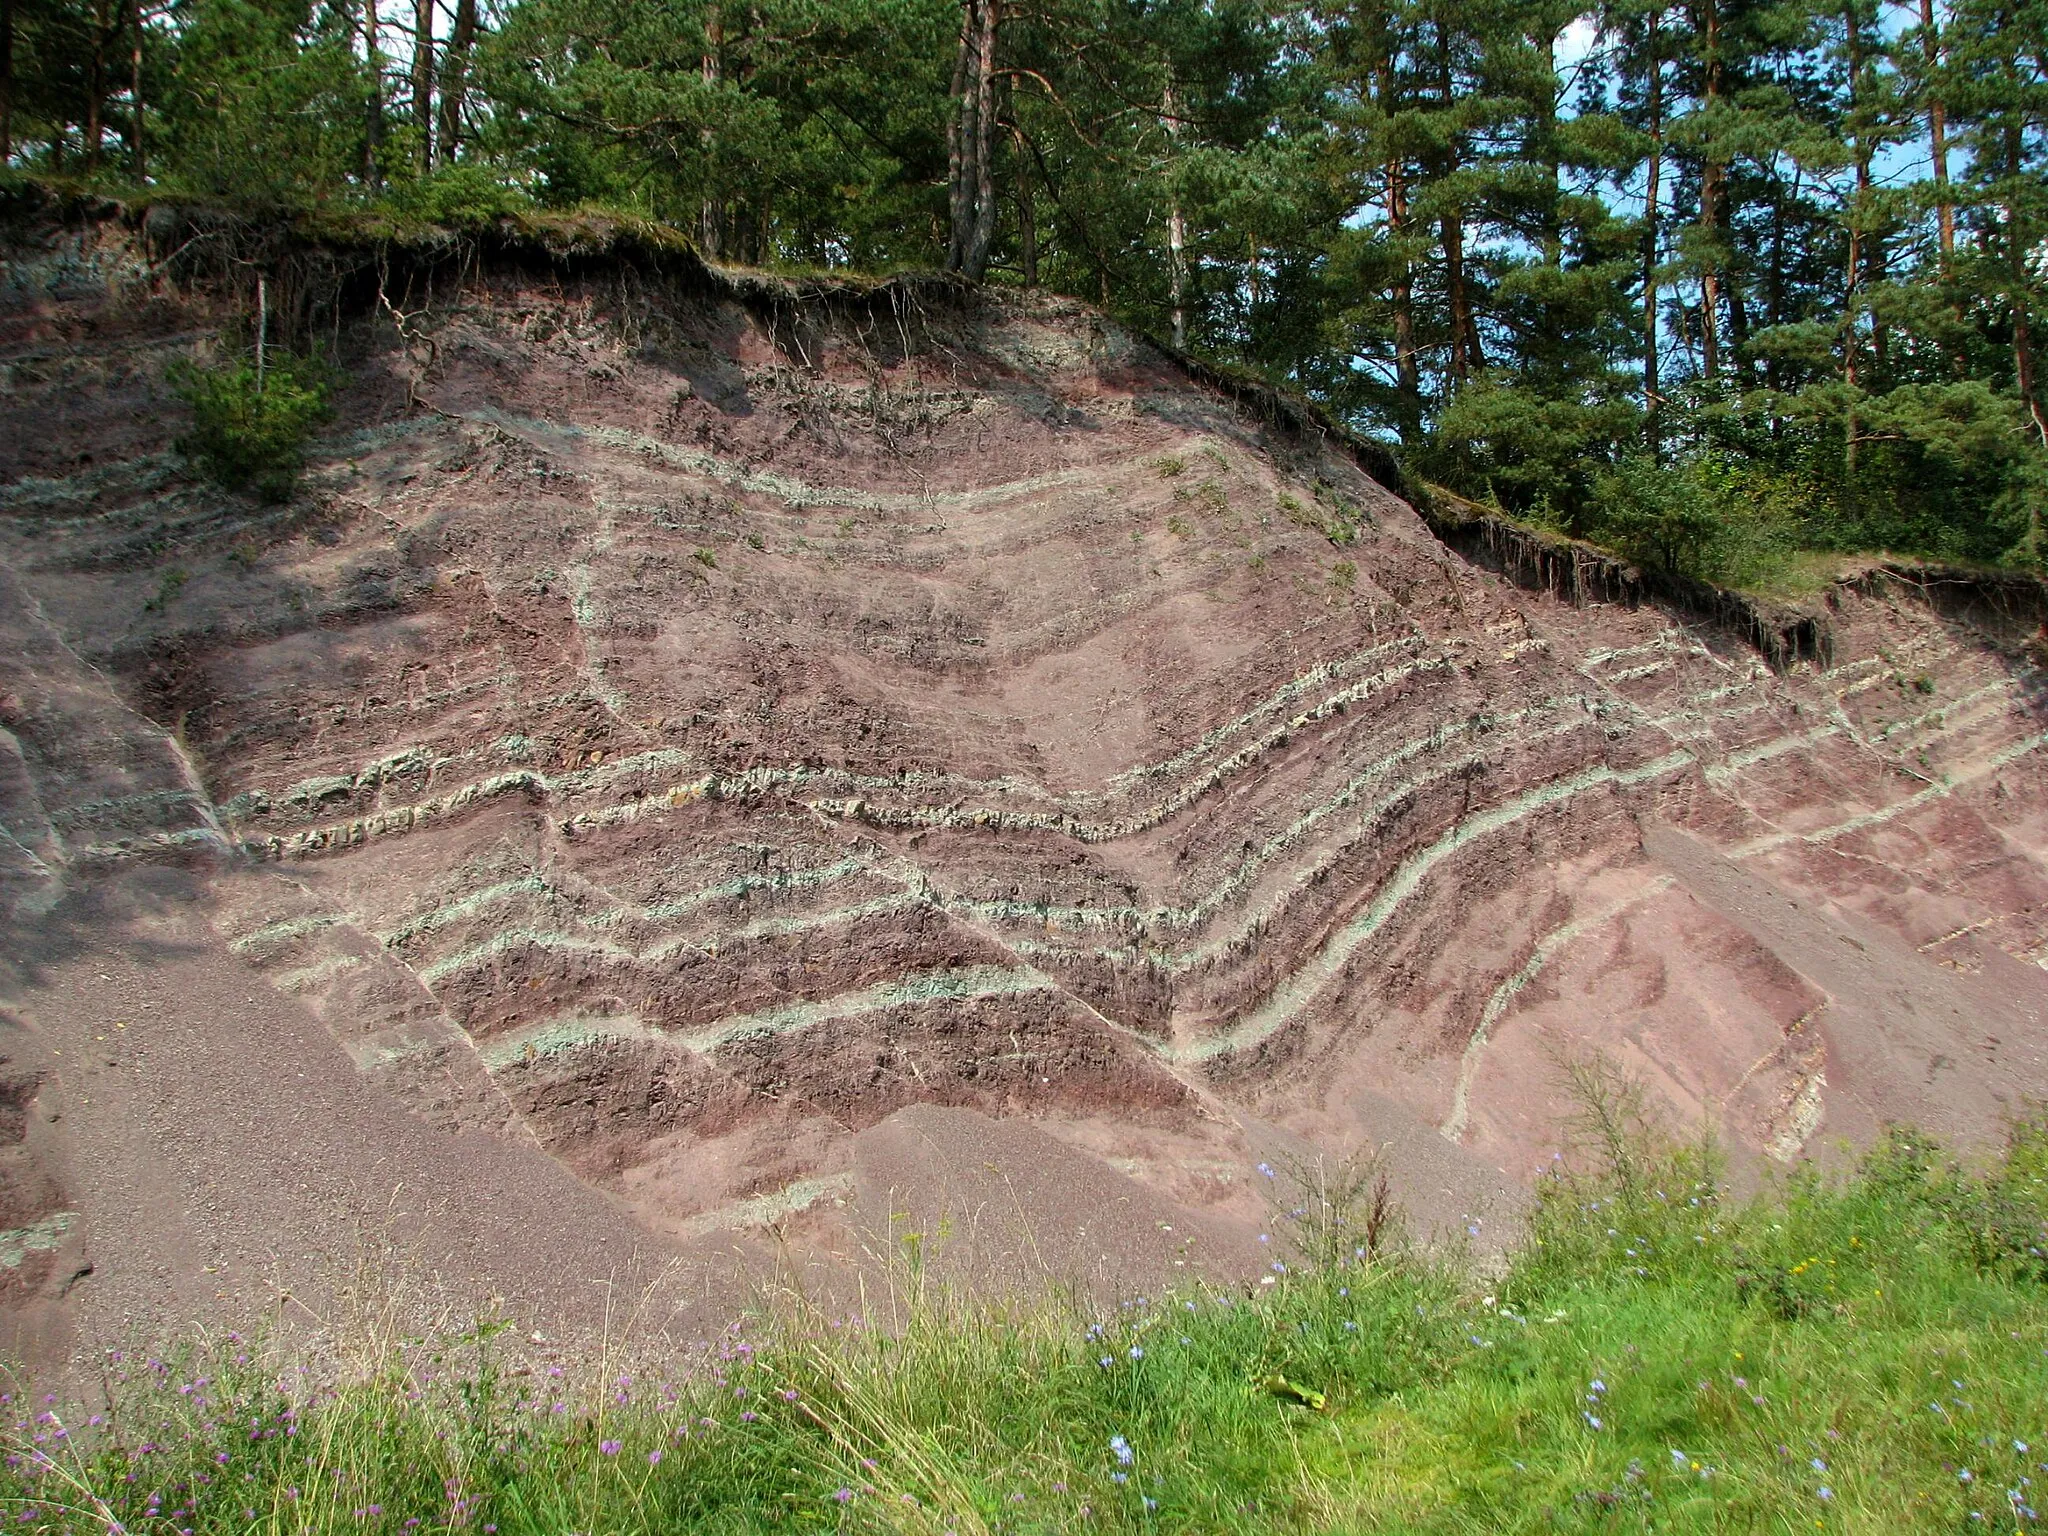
[453, 194]
[250, 435]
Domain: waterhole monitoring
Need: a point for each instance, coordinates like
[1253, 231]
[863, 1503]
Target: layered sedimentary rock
[683, 723]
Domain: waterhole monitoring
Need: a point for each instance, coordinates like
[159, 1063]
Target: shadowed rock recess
[737, 741]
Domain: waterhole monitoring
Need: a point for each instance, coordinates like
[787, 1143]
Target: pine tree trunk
[6, 80]
[1712, 176]
[423, 79]
[373, 104]
[1652, 191]
[1732, 295]
[960, 139]
[1880, 334]
[2023, 368]
[1849, 377]
[455, 78]
[970, 141]
[1465, 354]
[1176, 244]
[1553, 168]
[1176, 226]
[711, 210]
[2018, 242]
[1710, 324]
[1452, 230]
[1866, 252]
[2023, 356]
[1407, 365]
[1737, 304]
[982, 236]
[1027, 230]
[135, 116]
[95, 90]
[1937, 133]
[1774, 298]
[1850, 370]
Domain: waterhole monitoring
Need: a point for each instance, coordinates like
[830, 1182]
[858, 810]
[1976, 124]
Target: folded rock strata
[713, 722]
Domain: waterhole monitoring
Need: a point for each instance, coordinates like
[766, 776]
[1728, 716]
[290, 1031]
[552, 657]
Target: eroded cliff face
[712, 725]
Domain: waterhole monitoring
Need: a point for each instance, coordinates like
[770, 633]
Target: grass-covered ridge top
[1866, 1353]
[198, 239]
[1786, 618]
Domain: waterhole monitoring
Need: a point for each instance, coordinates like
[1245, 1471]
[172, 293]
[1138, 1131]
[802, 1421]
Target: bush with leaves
[249, 430]
[1711, 517]
[460, 195]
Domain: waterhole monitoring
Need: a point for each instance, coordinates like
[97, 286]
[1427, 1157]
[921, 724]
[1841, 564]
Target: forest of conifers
[1713, 282]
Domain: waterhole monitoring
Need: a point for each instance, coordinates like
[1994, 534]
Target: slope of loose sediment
[711, 722]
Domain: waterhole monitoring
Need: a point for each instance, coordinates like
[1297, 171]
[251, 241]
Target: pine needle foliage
[249, 429]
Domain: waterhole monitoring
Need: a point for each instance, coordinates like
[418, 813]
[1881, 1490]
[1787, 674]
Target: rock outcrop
[685, 722]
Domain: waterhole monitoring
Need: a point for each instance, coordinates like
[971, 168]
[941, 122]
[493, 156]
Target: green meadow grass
[1868, 1353]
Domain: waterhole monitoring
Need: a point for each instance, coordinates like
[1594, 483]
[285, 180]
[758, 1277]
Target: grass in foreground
[1869, 1354]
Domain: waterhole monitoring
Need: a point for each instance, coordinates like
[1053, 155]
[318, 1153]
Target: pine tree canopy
[1710, 282]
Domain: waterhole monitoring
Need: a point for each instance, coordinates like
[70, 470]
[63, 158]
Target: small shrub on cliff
[1701, 518]
[249, 434]
[459, 195]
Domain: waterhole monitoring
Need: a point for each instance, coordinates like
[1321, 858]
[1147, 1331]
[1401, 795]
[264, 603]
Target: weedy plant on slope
[250, 427]
[1865, 1354]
